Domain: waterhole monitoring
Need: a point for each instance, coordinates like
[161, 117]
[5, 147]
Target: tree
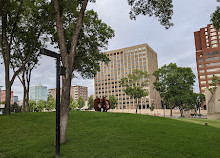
[113, 101]
[19, 37]
[135, 85]
[215, 17]
[73, 104]
[72, 16]
[174, 85]
[51, 103]
[91, 103]
[29, 41]
[41, 104]
[215, 82]
[32, 105]
[199, 100]
[81, 102]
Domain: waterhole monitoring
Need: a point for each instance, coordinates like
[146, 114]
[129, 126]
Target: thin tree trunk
[8, 90]
[171, 112]
[136, 105]
[64, 110]
[24, 100]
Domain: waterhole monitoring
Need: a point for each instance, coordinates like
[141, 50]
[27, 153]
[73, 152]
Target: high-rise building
[123, 62]
[207, 55]
[3, 95]
[38, 93]
[15, 99]
[76, 91]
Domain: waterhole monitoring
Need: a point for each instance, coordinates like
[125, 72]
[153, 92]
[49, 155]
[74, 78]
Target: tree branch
[79, 25]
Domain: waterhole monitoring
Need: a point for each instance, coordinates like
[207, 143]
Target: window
[201, 65]
[212, 58]
[211, 53]
[202, 77]
[213, 64]
[201, 71]
[203, 82]
[200, 60]
[215, 69]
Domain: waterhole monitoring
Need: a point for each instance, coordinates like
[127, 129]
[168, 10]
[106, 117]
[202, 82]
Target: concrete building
[207, 55]
[3, 95]
[123, 62]
[38, 92]
[76, 91]
[213, 103]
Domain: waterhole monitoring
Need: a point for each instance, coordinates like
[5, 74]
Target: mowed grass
[100, 135]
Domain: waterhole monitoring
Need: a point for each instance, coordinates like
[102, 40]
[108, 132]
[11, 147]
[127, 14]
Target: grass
[110, 135]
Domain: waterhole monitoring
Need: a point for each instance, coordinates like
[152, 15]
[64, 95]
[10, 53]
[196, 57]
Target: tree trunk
[24, 99]
[171, 112]
[136, 105]
[8, 90]
[64, 109]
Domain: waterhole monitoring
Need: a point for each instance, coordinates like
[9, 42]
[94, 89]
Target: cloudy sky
[174, 45]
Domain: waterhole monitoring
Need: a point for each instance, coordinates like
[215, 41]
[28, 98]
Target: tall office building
[76, 91]
[207, 55]
[123, 62]
[38, 93]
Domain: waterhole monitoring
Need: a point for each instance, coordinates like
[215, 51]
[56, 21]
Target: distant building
[75, 91]
[38, 93]
[3, 95]
[123, 62]
[207, 42]
[15, 99]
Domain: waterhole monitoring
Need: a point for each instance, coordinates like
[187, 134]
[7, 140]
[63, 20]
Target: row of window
[210, 76]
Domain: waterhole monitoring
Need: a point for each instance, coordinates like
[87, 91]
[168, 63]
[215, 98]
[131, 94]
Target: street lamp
[59, 72]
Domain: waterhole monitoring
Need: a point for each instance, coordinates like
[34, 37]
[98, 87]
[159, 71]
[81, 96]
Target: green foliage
[41, 104]
[73, 104]
[32, 105]
[215, 17]
[215, 82]
[27, 135]
[51, 103]
[174, 84]
[135, 84]
[93, 38]
[90, 103]
[113, 101]
[81, 102]
[152, 107]
[162, 9]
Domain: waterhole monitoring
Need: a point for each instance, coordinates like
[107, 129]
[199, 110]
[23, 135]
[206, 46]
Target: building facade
[38, 93]
[207, 55]
[3, 95]
[76, 91]
[15, 99]
[123, 62]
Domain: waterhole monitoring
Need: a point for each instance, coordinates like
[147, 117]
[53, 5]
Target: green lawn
[100, 135]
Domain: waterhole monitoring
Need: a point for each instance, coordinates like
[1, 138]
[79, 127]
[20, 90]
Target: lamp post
[60, 71]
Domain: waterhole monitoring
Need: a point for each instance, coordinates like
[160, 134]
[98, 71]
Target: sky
[174, 45]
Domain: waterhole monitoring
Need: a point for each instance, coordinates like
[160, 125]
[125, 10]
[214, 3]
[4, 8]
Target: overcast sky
[174, 45]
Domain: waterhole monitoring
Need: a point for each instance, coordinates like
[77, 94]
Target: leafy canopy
[174, 84]
[113, 101]
[135, 84]
[162, 9]
[215, 17]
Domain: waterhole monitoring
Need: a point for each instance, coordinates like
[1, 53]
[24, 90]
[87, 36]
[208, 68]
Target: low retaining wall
[158, 112]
